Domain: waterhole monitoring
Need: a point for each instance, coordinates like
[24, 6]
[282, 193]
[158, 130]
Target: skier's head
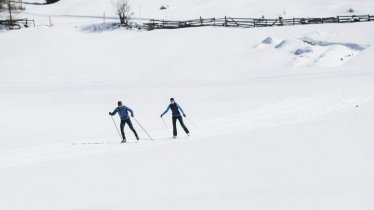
[172, 101]
[119, 103]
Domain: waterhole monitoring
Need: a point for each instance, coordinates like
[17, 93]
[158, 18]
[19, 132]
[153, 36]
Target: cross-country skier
[176, 116]
[125, 118]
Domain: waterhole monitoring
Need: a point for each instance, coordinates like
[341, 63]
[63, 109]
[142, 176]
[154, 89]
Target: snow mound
[268, 41]
[352, 46]
[310, 52]
[336, 55]
[303, 51]
[102, 27]
[292, 45]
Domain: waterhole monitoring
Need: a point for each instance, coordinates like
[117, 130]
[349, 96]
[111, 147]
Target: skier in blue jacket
[176, 115]
[125, 118]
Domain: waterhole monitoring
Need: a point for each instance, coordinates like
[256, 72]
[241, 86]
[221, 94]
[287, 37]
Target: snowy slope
[192, 9]
[280, 117]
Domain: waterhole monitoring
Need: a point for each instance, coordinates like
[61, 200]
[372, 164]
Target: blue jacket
[123, 112]
[175, 110]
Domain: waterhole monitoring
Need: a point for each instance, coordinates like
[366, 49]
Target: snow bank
[309, 52]
[283, 125]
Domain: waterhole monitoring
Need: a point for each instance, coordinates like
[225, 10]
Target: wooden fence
[17, 23]
[252, 22]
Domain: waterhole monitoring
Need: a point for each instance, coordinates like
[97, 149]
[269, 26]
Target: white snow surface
[280, 118]
[192, 9]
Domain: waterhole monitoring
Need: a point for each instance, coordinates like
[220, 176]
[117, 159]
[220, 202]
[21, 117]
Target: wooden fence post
[50, 21]
[242, 22]
[33, 20]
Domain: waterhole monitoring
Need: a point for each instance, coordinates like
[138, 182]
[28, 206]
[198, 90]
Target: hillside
[280, 117]
[207, 8]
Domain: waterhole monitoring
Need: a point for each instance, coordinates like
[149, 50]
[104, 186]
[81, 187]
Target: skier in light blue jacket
[176, 115]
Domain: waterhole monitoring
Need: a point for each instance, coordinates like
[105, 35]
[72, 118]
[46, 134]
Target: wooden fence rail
[252, 22]
[18, 23]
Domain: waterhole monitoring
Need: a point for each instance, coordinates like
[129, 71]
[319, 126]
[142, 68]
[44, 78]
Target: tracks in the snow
[72, 150]
[291, 110]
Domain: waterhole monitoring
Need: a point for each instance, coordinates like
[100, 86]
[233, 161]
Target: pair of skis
[124, 141]
[166, 138]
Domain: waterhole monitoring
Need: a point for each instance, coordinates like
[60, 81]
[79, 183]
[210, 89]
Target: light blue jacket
[175, 112]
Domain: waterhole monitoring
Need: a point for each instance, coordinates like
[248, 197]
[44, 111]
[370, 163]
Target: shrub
[51, 1]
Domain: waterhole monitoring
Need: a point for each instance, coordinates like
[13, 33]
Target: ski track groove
[68, 150]
[288, 111]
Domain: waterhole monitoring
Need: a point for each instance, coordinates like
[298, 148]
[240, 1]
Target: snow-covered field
[280, 118]
[207, 8]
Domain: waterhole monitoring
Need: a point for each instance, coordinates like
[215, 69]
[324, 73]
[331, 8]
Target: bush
[51, 1]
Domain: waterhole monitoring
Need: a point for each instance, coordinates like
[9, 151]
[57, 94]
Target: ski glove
[110, 113]
[184, 115]
[161, 116]
[132, 115]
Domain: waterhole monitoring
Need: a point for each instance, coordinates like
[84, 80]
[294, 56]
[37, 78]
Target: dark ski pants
[175, 118]
[123, 123]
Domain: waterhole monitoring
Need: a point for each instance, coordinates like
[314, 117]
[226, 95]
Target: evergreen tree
[51, 1]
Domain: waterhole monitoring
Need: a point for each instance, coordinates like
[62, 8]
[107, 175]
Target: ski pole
[115, 125]
[194, 124]
[191, 122]
[164, 122]
[143, 128]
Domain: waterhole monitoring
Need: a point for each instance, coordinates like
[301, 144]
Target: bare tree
[8, 6]
[6, 9]
[123, 10]
[10, 12]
